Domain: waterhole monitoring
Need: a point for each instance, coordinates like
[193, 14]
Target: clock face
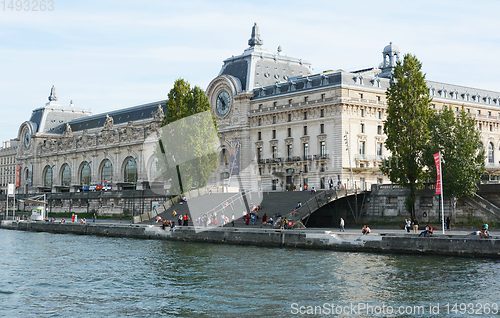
[27, 139]
[223, 103]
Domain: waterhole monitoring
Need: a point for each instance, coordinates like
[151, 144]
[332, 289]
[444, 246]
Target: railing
[321, 157]
[166, 205]
[317, 201]
[230, 202]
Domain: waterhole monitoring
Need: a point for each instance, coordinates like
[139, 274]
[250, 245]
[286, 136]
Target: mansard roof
[121, 116]
[257, 67]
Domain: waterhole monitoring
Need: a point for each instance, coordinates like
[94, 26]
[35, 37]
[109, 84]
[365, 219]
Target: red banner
[18, 176]
[437, 159]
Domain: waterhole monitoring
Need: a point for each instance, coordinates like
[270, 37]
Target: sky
[107, 55]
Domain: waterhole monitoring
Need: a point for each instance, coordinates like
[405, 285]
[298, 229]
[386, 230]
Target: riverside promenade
[457, 243]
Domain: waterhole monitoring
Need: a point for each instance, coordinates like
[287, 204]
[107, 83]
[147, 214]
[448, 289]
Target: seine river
[60, 275]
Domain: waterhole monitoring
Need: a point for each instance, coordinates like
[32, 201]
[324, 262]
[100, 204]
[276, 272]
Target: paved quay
[457, 243]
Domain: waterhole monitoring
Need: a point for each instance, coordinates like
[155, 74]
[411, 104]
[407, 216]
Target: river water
[61, 275]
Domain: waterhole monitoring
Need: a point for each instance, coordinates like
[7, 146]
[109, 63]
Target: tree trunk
[412, 198]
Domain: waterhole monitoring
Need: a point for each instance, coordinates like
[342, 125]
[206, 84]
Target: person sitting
[427, 232]
[484, 233]
[313, 190]
[365, 230]
[184, 199]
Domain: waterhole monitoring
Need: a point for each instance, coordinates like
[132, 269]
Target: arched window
[85, 174]
[491, 153]
[106, 171]
[154, 172]
[130, 173]
[66, 176]
[47, 177]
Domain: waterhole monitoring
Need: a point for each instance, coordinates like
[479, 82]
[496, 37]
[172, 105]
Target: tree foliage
[462, 154]
[406, 126]
[188, 138]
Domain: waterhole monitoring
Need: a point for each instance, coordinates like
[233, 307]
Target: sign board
[10, 190]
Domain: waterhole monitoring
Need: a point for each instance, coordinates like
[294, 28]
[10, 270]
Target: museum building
[301, 128]
[293, 127]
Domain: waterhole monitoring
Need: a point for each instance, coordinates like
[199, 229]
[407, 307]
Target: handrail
[320, 200]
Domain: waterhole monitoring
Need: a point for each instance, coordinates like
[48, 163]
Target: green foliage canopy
[188, 138]
[462, 154]
[406, 126]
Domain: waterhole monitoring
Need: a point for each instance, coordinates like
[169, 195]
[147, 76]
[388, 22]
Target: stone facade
[312, 129]
[8, 155]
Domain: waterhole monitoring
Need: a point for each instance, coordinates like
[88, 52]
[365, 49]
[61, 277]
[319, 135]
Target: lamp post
[88, 186]
[51, 184]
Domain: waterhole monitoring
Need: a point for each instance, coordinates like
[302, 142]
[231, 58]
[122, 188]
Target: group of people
[427, 232]
[169, 224]
[411, 225]
[484, 233]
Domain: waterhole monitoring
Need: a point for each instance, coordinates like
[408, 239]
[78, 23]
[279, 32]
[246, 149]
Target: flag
[437, 159]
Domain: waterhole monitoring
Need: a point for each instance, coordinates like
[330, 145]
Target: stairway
[483, 205]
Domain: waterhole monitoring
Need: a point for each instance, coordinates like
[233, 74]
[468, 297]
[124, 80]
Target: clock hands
[223, 103]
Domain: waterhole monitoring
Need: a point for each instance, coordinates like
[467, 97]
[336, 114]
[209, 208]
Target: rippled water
[60, 275]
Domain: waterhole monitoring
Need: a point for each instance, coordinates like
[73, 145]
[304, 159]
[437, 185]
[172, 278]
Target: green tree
[188, 141]
[462, 154]
[406, 127]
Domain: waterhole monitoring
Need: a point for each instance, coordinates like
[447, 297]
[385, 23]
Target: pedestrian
[408, 225]
[93, 218]
[342, 223]
[415, 226]
[180, 219]
[73, 217]
[232, 219]
[448, 223]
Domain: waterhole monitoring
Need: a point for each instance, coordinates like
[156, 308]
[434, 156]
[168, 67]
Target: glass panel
[47, 178]
[85, 174]
[66, 176]
[130, 171]
[107, 172]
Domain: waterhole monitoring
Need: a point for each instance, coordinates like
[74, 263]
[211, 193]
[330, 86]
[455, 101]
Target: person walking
[342, 223]
[232, 219]
[448, 223]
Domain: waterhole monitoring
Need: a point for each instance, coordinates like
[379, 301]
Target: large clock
[27, 139]
[223, 103]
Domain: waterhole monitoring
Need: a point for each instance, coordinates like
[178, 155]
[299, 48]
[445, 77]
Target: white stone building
[302, 128]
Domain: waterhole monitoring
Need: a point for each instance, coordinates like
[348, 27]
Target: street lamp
[88, 185]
